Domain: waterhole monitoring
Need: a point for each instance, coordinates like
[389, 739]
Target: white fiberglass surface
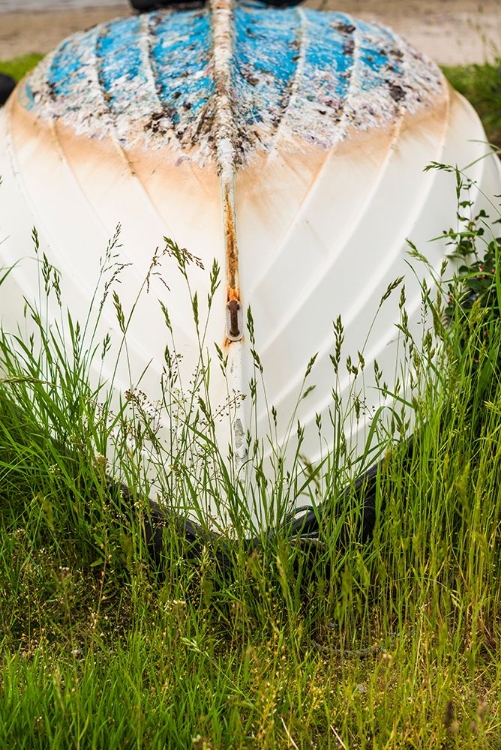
[320, 221]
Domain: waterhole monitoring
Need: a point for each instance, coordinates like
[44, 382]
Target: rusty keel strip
[222, 12]
[225, 129]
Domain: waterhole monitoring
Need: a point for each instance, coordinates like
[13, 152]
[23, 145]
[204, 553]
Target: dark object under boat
[7, 86]
[145, 6]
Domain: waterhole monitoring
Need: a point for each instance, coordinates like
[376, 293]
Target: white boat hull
[306, 210]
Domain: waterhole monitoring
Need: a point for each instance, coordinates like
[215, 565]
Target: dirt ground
[450, 31]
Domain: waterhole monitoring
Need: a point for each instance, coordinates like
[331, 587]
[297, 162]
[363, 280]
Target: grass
[17, 67]
[390, 644]
[481, 84]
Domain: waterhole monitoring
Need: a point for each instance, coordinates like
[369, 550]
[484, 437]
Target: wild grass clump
[285, 641]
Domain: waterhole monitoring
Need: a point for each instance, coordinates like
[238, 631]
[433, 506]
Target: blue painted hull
[313, 74]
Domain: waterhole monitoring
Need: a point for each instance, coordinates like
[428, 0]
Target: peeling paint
[220, 83]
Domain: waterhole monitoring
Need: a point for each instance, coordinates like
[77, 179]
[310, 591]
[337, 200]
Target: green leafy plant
[474, 296]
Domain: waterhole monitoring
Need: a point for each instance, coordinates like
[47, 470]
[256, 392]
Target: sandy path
[450, 31]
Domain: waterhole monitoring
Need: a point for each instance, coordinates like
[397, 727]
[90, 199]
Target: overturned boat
[283, 149]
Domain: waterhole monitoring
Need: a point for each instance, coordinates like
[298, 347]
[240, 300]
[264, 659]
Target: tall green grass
[290, 643]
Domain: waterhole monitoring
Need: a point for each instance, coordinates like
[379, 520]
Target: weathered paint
[161, 78]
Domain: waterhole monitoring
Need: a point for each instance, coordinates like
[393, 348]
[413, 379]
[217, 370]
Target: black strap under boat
[305, 527]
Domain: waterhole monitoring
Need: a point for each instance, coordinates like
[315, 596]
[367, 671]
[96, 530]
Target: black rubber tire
[7, 86]
[145, 6]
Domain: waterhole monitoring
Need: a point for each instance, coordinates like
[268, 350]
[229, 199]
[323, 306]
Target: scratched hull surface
[287, 145]
[297, 74]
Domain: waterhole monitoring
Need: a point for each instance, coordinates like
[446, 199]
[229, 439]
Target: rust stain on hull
[233, 325]
[231, 248]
